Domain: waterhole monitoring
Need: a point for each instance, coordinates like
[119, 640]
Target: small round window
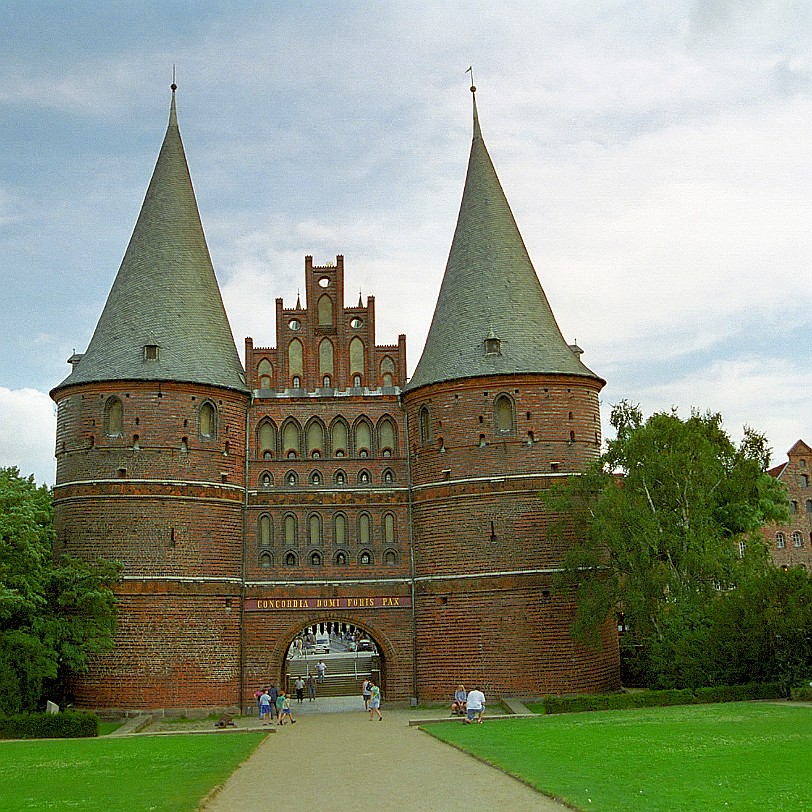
[294, 324]
[324, 282]
[356, 323]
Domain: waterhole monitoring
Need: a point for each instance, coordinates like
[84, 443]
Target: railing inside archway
[330, 659]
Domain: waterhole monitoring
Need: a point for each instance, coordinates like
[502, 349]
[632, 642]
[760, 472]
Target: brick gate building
[318, 484]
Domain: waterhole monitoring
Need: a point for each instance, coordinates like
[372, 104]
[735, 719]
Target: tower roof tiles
[164, 318]
[492, 316]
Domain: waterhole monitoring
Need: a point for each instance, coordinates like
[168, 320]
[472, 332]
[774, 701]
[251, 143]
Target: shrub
[67, 725]
[658, 699]
[803, 694]
[738, 693]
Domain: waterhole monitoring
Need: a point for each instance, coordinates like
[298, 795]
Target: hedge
[654, 699]
[802, 694]
[66, 725]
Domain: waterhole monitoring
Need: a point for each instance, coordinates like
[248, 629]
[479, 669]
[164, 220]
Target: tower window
[503, 415]
[113, 417]
[151, 352]
[207, 421]
[493, 346]
[780, 542]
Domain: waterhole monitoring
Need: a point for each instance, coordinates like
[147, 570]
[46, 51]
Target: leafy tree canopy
[54, 613]
[666, 516]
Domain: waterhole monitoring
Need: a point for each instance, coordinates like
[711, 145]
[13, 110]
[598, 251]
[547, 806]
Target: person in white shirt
[474, 707]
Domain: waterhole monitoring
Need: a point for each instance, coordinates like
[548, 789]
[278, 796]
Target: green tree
[54, 613]
[659, 523]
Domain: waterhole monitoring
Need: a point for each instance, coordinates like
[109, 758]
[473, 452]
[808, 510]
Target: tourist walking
[474, 707]
[365, 693]
[299, 690]
[321, 670]
[283, 705]
[374, 701]
[274, 694]
[311, 687]
[265, 706]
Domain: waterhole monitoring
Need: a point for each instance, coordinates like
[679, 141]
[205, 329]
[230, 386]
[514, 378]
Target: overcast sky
[656, 157]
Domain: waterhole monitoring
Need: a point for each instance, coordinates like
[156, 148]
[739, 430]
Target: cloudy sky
[656, 157]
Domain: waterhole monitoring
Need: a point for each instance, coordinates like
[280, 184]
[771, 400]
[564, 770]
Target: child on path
[283, 706]
[375, 701]
[265, 706]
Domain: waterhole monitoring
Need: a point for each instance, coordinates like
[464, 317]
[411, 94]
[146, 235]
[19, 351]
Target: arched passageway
[332, 658]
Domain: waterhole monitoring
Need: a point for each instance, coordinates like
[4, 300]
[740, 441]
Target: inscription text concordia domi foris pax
[288, 604]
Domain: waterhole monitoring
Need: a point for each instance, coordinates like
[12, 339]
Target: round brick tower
[499, 407]
[150, 455]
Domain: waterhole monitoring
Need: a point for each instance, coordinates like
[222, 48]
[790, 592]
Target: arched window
[291, 479]
[809, 505]
[326, 358]
[804, 480]
[113, 417]
[295, 359]
[315, 559]
[340, 478]
[315, 478]
[315, 438]
[357, 358]
[387, 371]
[341, 559]
[265, 560]
[291, 439]
[389, 528]
[797, 541]
[386, 436]
[365, 558]
[503, 415]
[340, 529]
[289, 525]
[266, 479]
[338, 438]
[265, 374]
[388, 477]
[265, 531]
[207, 420]
[325, 309]
[290, 559]
[780, 542]
[390, 558]
[364, 529]
[314, 528]
[363, 438]
[364, 478]
[425, 425]
[266, 440]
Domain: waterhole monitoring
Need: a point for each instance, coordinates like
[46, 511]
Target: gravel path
[344, 761]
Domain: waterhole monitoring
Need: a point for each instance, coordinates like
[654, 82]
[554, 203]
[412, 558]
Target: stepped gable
[164, 319]
[492, 316]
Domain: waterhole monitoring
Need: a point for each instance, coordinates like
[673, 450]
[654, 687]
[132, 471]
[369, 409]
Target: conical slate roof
[492, 316]
[165, 295]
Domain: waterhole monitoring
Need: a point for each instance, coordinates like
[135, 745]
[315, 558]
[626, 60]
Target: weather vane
[471, 71]
[173, 85]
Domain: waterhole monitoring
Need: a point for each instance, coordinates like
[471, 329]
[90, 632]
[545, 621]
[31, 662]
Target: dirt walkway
[344, 761]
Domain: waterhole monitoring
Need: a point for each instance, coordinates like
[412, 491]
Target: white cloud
[27, 432]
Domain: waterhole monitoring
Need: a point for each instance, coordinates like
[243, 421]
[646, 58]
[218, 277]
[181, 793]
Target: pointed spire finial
[173, 85]
[471, 71]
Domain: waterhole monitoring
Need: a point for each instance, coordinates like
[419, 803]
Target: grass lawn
[138, 773]
[734, 756]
